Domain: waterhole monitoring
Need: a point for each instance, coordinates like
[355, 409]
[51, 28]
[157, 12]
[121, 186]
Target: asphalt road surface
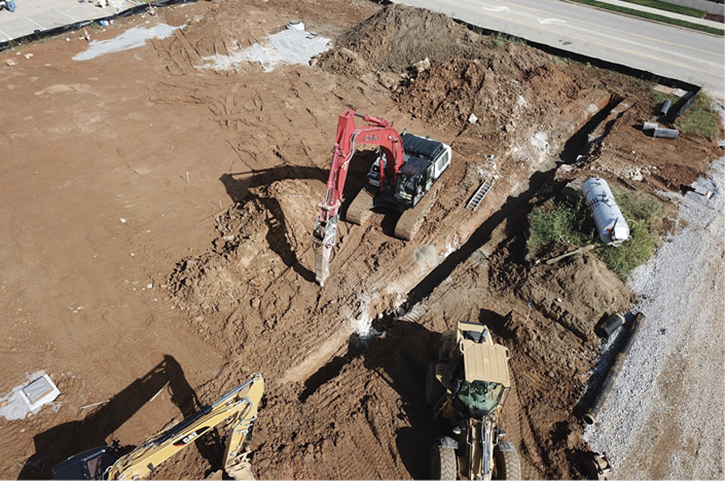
[664, 50]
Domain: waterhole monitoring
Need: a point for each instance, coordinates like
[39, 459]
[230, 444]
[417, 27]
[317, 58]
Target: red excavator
[405, 170]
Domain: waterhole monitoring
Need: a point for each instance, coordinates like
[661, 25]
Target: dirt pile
[391, 40]
[261, 236]
[577, 293]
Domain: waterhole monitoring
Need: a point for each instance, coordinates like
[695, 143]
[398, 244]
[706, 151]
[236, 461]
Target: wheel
[433, 388]
[359, 210]
[443, 462]
[508, 464]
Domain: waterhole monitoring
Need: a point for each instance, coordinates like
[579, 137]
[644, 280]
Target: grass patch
[555, 222]
[570, 222]
[670, 7]
[700, 118]
[652, 16]
[501, 39]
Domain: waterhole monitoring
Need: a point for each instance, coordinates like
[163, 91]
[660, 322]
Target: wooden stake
[568, 254]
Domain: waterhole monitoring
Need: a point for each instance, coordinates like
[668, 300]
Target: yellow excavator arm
[239, 407]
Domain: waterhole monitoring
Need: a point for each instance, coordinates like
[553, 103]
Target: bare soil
[158, 230]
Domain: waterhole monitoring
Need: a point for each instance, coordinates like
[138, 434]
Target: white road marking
[496, 9]
[549, 21]
[36, 23]
[67, 15]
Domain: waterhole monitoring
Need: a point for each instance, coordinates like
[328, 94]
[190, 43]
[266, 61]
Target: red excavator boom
[380, 132]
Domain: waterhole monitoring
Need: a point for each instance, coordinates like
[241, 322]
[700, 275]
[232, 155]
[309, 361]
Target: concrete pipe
[666, 133]
[665, 107]
[647, 126]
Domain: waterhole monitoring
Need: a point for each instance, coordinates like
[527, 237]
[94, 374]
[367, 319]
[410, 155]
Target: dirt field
[158, 229]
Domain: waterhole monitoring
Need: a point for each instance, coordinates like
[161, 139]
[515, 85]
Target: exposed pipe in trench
[590, 416]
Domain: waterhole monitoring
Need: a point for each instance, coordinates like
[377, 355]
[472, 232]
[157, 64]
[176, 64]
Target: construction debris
[598, 466]
[29, 397]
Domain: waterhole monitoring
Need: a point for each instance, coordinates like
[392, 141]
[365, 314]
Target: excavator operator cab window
[95, 466]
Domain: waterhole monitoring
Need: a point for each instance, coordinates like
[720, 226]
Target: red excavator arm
[381, 133]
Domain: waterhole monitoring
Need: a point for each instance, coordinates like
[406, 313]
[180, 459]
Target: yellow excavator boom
[239, 406]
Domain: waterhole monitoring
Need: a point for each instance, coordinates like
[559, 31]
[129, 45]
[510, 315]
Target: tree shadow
[65, 440]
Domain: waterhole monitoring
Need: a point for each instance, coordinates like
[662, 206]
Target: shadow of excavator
[65, 440]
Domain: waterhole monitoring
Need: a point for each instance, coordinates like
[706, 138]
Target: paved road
[665, 50]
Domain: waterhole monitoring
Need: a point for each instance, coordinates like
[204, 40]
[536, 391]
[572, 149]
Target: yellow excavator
[239, 408]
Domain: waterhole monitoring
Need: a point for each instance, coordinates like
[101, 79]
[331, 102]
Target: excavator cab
[424, 161]
[90, 464]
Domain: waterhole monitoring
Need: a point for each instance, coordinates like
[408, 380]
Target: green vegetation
[652, 16]
[556, 222]
[570, 222]
[501, 39]
[670, 7]
[700, 118]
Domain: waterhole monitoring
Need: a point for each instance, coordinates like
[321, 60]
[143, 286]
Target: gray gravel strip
[665, 417]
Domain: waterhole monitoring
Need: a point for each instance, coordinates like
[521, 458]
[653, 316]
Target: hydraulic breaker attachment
[324, 235]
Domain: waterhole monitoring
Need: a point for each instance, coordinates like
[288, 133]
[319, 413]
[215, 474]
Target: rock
[255, 302]
[636, 175]
[422, 66]
[562, 171]
[10, 62]
[472, 119]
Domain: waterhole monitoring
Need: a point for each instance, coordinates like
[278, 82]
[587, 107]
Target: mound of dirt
[576, 292]
[391, 40]
[261, 236]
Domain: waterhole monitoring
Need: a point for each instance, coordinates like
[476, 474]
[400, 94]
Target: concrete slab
[39, 391]
[29, 397]
[37, 16]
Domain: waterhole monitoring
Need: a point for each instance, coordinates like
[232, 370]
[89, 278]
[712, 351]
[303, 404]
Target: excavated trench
[412, 308]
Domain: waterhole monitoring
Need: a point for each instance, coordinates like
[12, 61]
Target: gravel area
[665, 417]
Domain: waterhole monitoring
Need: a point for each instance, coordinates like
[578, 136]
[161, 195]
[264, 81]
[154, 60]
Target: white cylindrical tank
[608, 219]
